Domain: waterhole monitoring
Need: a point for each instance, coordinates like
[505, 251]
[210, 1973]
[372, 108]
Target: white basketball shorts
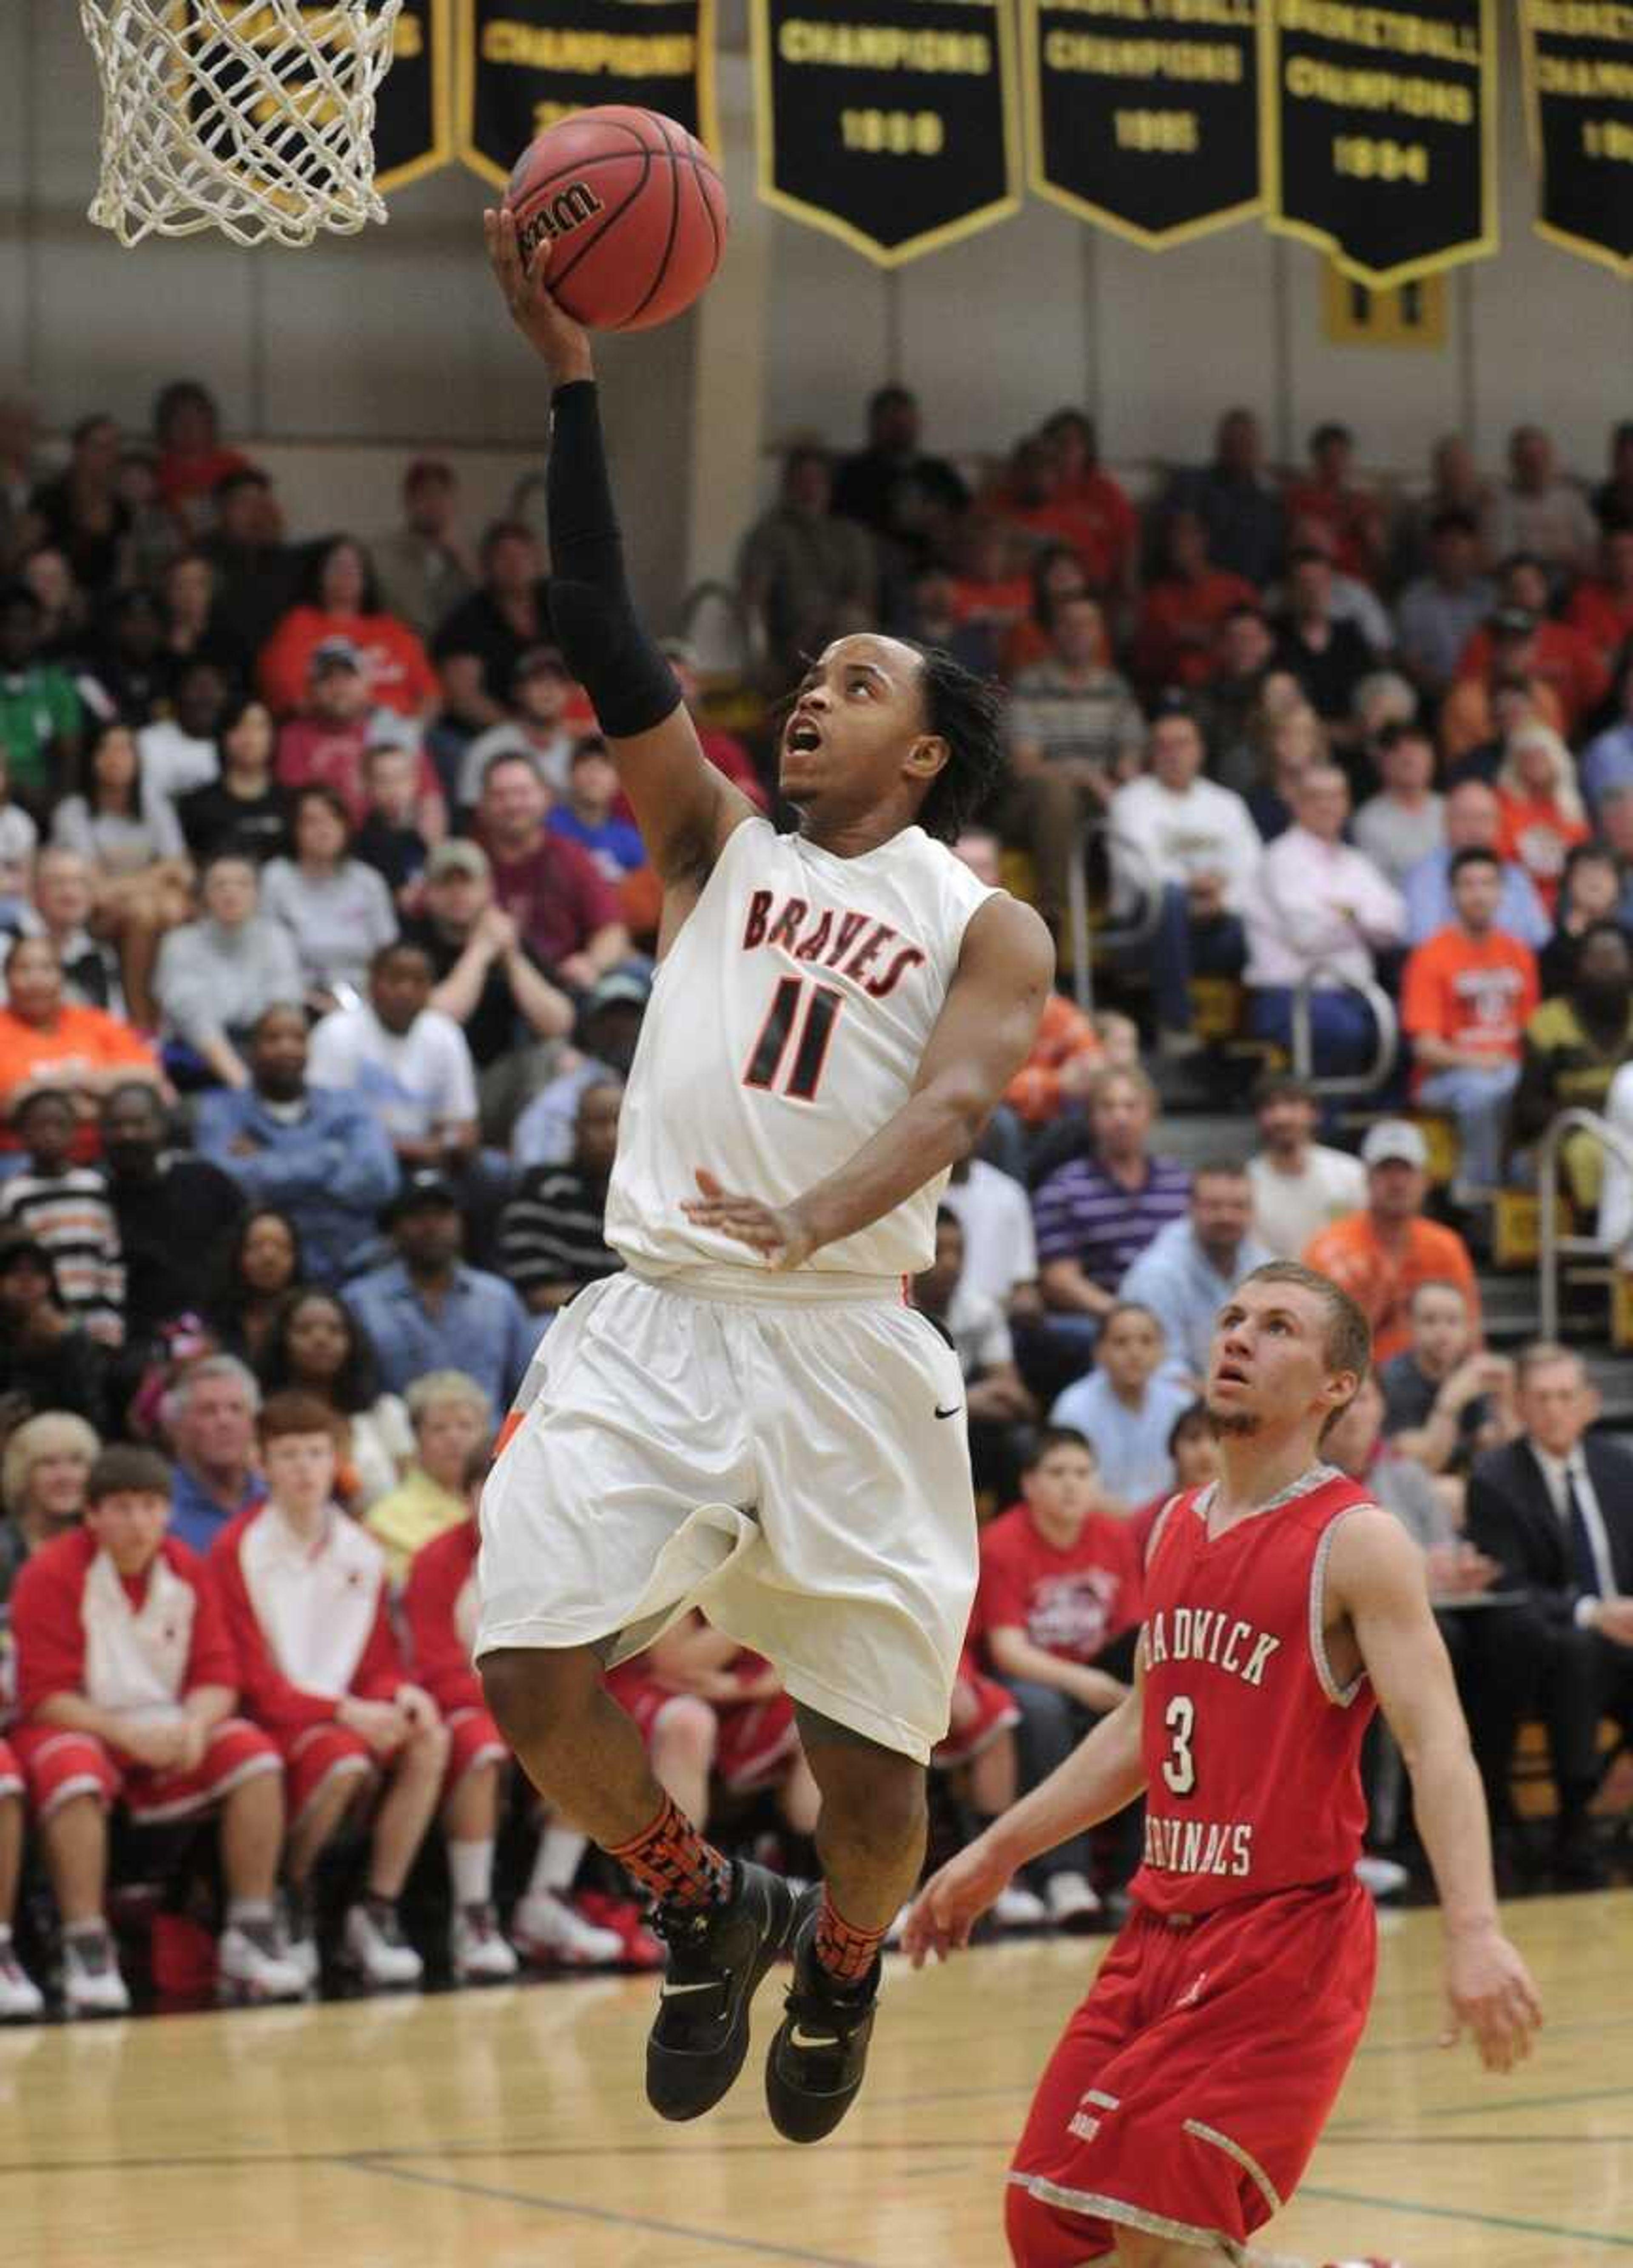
[774, 1457]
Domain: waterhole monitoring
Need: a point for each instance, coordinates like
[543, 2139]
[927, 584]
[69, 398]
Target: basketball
[634, 210]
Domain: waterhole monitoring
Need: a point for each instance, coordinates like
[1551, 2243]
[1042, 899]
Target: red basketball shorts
[318, 1753]
[753, 1739]
[473, 1739]
[58, 1764]
[10, 1772]
[1187, 2092]
[982, 1709]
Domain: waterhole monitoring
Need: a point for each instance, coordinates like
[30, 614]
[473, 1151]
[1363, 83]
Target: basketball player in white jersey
[752, 1418]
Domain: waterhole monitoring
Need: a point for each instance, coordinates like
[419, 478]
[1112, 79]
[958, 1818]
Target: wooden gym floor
[507, 2130]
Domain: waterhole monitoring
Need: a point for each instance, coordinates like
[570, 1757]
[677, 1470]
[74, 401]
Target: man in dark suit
[1554, 1509]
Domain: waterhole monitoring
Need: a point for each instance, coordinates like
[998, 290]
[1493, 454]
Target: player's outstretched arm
[1375, 1577]
[981, 1037]
[685, 807]
[1102, 1773]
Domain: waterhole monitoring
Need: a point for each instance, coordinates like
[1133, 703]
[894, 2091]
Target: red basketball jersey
[1252, 1750]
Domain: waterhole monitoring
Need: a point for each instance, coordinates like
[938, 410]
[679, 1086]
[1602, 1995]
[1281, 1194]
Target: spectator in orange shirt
[1542, 818]
[1381, 1255]
[339, 600]
[1602, 609]
[1178, 640]
[990, 586]
[44, 1041]
[1108, 528]
[1559, 653]
[1465, 998]
[1329, 493]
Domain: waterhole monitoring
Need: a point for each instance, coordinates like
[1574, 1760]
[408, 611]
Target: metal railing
[1385, 1023]
[1552, 1246]
[1130, 863]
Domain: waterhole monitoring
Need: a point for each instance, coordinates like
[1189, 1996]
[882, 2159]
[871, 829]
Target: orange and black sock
[847, 1954]
[675, 1862]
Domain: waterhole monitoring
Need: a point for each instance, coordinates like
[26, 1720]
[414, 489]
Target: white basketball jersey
[787, 1024]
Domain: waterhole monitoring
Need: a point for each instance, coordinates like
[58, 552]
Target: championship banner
[1142, 115]
[890, 123]
[413, 109]
[526, 63]
[1578, 61]
[1381, 132]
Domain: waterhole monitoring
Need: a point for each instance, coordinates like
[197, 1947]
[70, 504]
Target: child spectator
[338, 911]
[217, 977]
[390, 838]
[304, 1593]
[1193, 1452]
[64, 1209]
[452, 1417]
[1058, 1600]
[707, 1709]
[1125, 1407]
[339, 601]
[551, 1240]
[318, 1348]
[440, 1608]
[127, 1686]
[586, 815]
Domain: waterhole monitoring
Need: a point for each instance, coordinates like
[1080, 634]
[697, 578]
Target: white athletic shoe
[254, 1963]
[21, 2000]
[480, 1954]
[546, 1928]
[1019, 1908]
[376, 1948]
[1380, 1878]
[92, 1984]
[1070, 1900]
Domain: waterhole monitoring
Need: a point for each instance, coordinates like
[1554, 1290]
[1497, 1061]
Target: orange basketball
[634, 209]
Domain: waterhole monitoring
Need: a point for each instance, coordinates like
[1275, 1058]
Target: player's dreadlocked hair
[967, 712]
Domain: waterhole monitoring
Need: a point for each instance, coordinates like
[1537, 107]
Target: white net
[255, 117]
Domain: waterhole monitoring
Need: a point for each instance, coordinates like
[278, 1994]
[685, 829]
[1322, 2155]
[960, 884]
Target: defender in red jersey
[1282, 1606]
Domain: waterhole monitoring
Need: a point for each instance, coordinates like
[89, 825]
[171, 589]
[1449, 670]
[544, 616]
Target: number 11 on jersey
[820, 1013]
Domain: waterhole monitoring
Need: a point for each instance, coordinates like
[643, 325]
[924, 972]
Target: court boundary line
[1454, 2213]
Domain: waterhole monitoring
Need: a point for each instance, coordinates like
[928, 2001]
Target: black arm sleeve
[631, 685]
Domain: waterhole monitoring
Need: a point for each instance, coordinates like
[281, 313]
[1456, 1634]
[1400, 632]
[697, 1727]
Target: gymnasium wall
[391, 340]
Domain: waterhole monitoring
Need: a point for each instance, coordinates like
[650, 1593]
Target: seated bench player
[21, 2000]
[709, 1709]
[305, 1589]
[439, 1609]
[128, 1689]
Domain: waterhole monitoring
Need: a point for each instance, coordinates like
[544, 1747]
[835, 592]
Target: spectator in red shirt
[1058, 1603]
[1178, 641]
[1559, 653]
[186, 431]
[1107, 529]
[326, 745]
[339, 600]
[1602, 609]
[553, 890]
[1035, 500]
[304, 1593]
[439, 1609]
[1330, 493]
[128, 1688]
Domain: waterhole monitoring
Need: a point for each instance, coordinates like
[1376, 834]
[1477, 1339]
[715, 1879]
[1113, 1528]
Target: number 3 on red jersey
[1179, 1766]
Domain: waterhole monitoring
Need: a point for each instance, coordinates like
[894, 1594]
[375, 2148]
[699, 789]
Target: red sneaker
[623, 1916]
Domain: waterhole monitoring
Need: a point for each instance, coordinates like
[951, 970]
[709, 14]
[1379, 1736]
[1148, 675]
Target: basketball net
[254, 117]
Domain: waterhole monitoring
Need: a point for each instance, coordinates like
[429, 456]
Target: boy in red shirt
[440, 1608]
[304, 1593]
[127, 1686]
[1058, 1603]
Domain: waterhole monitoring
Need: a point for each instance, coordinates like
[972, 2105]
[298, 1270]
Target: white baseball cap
[1395, 1140]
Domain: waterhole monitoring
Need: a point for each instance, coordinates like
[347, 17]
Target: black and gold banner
[1578, 59]
[893, 124]
[1142, 115]
[527, 63]
[413, 109]
[1379, 132]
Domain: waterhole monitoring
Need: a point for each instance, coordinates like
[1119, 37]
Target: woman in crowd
[245, 809]
[338, 911]
[48, 1461]
[259, 1266]
[46, 1042]
[1590, 891]
[1293, 738]
[340, 600]
[1542, 813]
[1057, 573]
[132, 840]
[193, 629]
[317, 1344]
[80, 509]
[216, 975]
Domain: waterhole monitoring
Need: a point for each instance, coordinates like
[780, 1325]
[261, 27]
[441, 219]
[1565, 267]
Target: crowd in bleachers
[326, 944]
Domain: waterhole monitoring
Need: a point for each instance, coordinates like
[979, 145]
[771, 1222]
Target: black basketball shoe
[819, 2054]
[718, 1955]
